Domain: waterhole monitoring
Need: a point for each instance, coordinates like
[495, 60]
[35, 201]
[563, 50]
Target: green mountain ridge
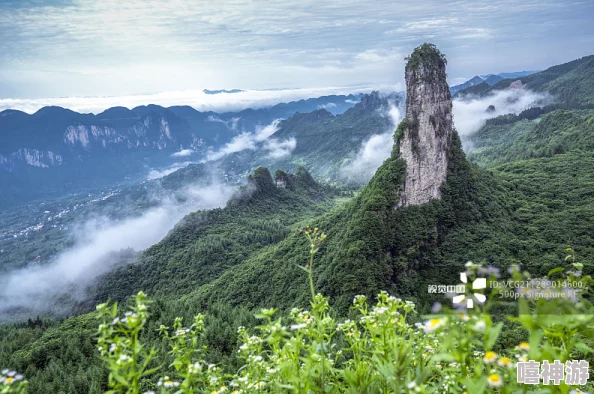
[569, 83]
[553, 133]
[207, 243]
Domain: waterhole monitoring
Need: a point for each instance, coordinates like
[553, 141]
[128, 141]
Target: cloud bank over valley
[471, 112]
[100, 245]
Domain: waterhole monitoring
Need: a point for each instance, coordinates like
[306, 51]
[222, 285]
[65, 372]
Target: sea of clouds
[221, 102]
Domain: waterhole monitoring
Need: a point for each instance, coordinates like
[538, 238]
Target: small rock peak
[371, 100]
[283, 180]
[516, 85]
[304, 179]
[426, 63]
[423, 136]
[262, 180]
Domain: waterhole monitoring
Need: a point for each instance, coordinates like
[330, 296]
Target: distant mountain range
[206, 91]
[56, 150]
[489, 79]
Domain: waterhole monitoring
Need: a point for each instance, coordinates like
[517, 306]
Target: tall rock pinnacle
[424, 134]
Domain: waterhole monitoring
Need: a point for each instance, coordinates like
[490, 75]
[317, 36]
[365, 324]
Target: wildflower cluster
[12, 382]
[120, 347]
[383, 347]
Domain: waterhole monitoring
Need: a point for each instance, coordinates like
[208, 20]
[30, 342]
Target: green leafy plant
[384, 347]
[12, 382]
[119, 345]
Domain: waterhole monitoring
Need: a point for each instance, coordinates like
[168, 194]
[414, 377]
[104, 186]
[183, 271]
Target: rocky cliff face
[423, 137]
[150, 132]
[56, 136]
[30, 157]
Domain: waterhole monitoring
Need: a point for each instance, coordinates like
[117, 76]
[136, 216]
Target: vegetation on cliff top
[428, 55]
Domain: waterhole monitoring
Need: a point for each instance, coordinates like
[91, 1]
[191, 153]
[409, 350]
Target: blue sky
[114, 48]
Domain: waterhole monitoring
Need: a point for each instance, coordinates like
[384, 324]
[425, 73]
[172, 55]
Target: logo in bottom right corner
[573, 372]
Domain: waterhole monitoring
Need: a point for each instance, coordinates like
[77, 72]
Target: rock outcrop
[29, 157]
[283, 179]
[423, 136]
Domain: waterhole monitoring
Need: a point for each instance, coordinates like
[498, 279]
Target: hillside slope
[205, 244]
[509, 138]
[570, 83]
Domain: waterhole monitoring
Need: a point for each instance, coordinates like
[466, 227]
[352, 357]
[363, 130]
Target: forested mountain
[324, 143]
[525, 194]
[207, 244]
[532, 134]
[570, 83]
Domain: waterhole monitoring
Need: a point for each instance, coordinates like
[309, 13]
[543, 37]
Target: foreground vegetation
[382, 348]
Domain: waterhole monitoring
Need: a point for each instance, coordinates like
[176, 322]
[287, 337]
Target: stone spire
[423, 136]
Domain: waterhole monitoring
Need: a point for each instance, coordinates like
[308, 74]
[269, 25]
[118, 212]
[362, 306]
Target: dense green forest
[205, 244]
[503, 141]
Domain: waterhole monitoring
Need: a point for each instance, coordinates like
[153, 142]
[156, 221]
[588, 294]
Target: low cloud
[262, 133]
[160, 173]
[245, 141]
[237, 144]
[374, 150]
[327, 105]
[279, 149]
[231, 123]
[380, 55]
[43, 288]
[470, 112]
[197, 99]
[183, 153]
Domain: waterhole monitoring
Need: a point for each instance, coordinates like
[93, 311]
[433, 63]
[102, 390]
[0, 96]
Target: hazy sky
[115, 47]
